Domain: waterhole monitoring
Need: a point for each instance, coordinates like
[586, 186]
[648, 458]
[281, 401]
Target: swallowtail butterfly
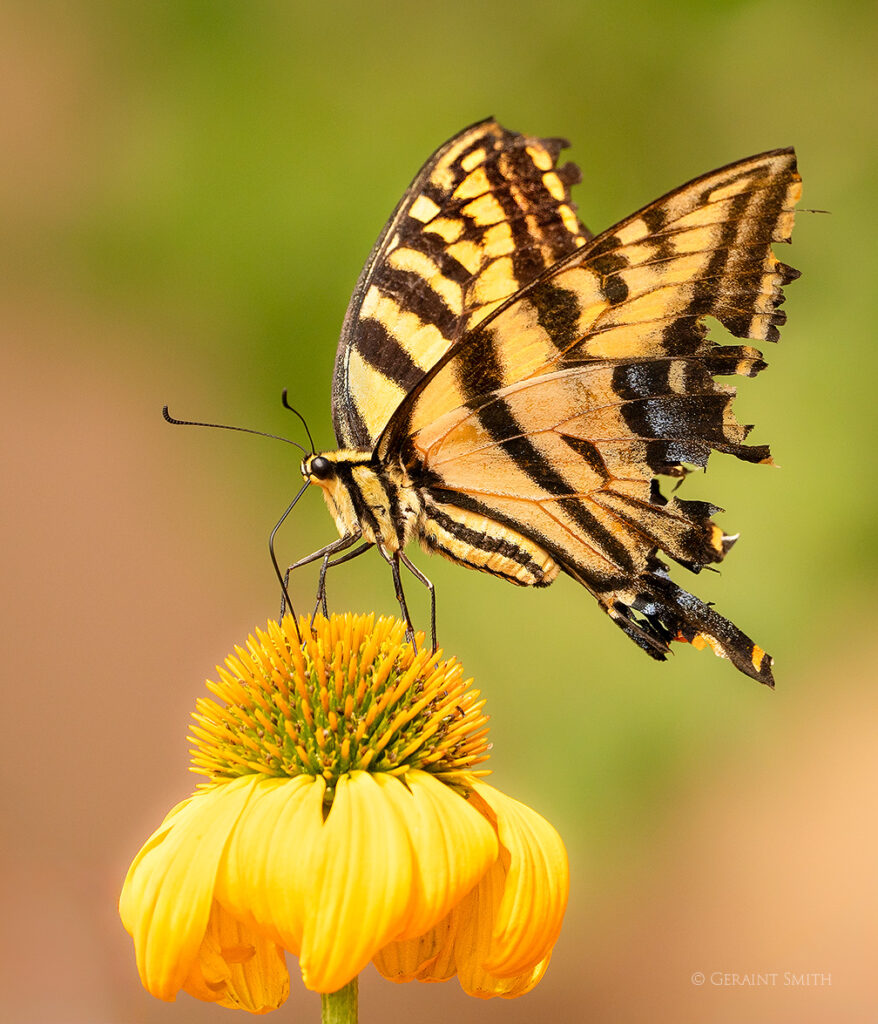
[509, 388]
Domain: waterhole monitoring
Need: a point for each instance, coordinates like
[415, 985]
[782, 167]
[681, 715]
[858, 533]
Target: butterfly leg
[327, 564]
[320, 604]
[325, 552]
[393, 562]
[418, 575]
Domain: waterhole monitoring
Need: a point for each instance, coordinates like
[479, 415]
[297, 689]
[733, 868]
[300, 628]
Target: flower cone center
[353, 696]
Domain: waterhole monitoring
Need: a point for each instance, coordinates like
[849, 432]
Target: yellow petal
[168, 892]
[237, 967]
[527, 921]
[457, 945]
[453, 846]
[429, 957]
[264, 877]
[498, 938]
[472, 924]
[484, 985]
[360, 873]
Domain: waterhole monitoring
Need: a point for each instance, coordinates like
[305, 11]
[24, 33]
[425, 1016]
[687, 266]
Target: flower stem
[340, 1007]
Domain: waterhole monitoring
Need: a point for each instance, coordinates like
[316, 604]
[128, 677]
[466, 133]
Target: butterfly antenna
[224, 426]
[287, 405]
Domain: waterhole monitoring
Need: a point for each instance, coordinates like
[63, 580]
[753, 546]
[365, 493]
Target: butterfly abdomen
[481, 543]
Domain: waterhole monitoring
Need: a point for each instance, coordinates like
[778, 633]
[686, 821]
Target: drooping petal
[498, 938]
[485, 985]
[360, 872]
[458, 945]
[168, 892]
[238, 967]
[528, 919]
[429, 957]
[264, 876]
[129, 897]
[453, 846]
[472, 924]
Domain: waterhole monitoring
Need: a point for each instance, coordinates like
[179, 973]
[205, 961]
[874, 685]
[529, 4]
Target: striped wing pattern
[554, 414]
[486, 215]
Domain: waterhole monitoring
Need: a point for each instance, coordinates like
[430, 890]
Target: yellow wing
[555, 414]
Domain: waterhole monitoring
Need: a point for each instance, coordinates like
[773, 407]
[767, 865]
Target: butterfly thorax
[363, 495]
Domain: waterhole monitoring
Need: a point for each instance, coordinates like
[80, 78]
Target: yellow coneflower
[345, 820]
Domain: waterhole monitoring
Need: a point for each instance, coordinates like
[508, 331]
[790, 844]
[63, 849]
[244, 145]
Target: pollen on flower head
[353, 696]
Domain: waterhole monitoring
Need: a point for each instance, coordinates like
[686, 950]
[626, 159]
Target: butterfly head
[348, 482]
[327, 468]
[317, 468]
[322, 468]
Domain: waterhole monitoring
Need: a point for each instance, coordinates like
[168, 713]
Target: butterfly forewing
[636, 293]
[486, 215]
[553, 414]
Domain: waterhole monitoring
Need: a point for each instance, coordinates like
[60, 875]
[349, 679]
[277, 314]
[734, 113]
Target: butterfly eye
[320, 468]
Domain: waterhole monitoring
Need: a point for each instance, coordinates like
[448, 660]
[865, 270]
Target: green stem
[340, 1007]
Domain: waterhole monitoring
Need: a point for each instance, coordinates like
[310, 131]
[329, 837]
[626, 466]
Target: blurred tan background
[187, 194]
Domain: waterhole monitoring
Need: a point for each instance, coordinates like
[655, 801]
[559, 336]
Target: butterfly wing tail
[663, 613]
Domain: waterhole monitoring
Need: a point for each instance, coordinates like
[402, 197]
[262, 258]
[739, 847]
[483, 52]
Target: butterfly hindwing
[487, 214]
[553, 415]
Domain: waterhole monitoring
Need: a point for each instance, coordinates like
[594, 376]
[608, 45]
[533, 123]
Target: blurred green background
[188, 192]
